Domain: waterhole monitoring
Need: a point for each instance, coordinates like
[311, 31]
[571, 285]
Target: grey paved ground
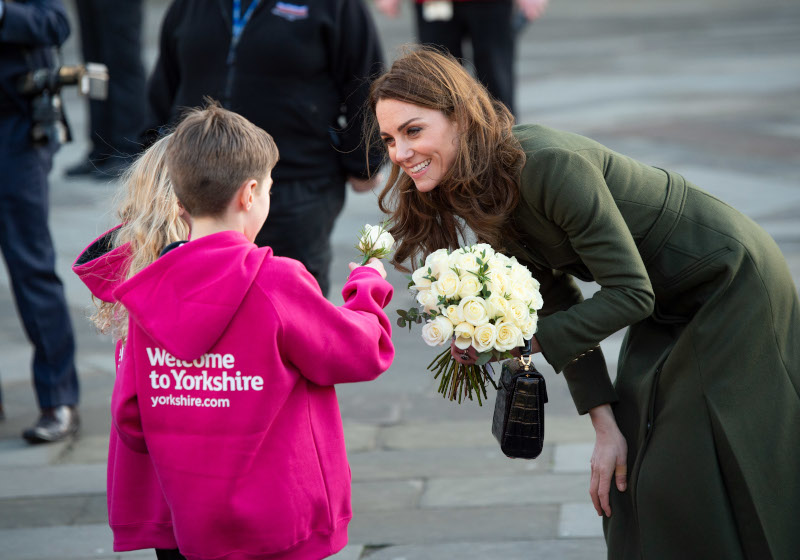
[709, 88]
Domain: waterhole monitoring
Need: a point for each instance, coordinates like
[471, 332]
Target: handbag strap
[525, 357]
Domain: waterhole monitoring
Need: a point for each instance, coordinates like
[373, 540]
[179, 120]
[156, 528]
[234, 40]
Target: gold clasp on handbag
[526, 365]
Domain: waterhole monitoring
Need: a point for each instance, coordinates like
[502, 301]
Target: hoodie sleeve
[331, 344]
[125, 404]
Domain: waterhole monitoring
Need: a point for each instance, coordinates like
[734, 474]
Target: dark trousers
[111, 33]
[30, 260]
[301, 218]
[488, 25]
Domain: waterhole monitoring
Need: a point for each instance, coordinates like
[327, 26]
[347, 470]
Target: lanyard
[239, 23]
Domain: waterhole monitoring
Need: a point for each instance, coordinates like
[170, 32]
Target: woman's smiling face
[422, 142]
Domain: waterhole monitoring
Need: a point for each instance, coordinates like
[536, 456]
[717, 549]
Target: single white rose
[508, 336]
[484, 251]
[499, 282]
[437, 261]
[428, 299]
[518, 312]
[448, 284]
[528, 328]
[420, 282]
[376, 239]
[498, 306]
[437, 332]
[454, 313]
[483, 337]
[463, 332]
[536, 301]
[522, 290]
[466, 263]
[474, 311]
[470, 286]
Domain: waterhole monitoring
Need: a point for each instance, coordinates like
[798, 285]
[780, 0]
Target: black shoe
[54, 424]
[85, 168]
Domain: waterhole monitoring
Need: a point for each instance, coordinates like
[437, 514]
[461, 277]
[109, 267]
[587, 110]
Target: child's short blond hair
[211, 153]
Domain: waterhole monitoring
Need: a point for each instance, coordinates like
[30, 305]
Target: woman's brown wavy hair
[481, 189]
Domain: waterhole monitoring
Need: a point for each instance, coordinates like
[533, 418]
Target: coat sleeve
[571, 192]
[37, 23]
[356, 56]
[587, 376]
[330, 344]
[125, 414]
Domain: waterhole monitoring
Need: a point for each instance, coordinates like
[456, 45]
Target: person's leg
[489, 26]
[300, 222]
[447, 35]
[30, 259]
[124, 110]
[169, 554]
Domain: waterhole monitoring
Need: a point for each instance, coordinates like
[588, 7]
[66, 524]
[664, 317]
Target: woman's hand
[372, 263]
[609, 458]
[466, 357]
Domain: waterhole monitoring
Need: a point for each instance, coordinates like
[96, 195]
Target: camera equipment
[44, 86]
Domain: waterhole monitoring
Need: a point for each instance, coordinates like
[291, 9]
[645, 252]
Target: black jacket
[300, 72]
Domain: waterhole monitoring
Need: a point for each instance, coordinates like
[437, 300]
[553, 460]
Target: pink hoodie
[137, 512]
[228, 383]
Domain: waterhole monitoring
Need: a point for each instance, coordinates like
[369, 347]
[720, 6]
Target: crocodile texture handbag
[518, 422]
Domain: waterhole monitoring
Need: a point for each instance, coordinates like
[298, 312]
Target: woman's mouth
[420, 166]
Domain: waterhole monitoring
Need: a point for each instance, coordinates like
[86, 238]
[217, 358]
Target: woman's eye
[387, 141]
[413, 131]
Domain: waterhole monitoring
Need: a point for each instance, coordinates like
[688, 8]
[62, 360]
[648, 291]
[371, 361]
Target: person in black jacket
[28, 31]
[299, 71]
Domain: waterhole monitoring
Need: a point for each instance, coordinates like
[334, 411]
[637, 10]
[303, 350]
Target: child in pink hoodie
[149, 212]
[231, 359]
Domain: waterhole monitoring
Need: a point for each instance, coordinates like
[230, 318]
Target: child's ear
[247, 194]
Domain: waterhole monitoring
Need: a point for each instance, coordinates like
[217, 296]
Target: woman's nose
[403, 151]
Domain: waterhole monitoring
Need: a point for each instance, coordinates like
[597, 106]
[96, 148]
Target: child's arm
[331, 344]
[125, 404]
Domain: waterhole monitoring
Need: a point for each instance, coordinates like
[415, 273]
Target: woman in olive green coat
[698, 440]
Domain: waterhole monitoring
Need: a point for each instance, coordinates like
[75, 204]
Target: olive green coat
[708, 382]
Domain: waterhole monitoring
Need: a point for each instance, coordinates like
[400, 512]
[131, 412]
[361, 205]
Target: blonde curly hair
[150, 216]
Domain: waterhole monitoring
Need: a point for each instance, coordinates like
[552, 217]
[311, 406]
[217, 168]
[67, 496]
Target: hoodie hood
[102, 267]
[208, 277]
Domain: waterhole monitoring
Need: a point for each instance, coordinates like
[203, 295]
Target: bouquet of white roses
[482, 299]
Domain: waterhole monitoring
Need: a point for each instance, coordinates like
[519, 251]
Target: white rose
[470, 286]
[463, 332]
[528, 328]
[483, 337]
[508, 336]
[454, 313]
[376, 239]
[499, 260]
[428, 299]
[474, 311]
[420, 282]
[499, 282]
[522, 290]
[448, 284]
[437, 261]
[484, 251]
[498, 306]
[518, 312]
[437, 332]
[536, 301]
[467, 263]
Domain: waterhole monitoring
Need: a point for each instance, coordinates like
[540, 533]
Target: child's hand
[372, 263]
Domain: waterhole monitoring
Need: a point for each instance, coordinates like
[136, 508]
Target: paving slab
[460, 524]
[386, 495]
[579, 520]
[487, 490]
[575, 549]
[53, 480]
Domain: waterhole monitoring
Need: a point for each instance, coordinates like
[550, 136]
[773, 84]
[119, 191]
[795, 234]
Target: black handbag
[518, 422]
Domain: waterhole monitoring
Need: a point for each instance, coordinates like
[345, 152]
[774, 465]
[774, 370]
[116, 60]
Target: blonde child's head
[150, 216]
[213, 152]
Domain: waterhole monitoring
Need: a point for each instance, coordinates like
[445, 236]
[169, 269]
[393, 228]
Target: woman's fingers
[594, 483]
[621, 474]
